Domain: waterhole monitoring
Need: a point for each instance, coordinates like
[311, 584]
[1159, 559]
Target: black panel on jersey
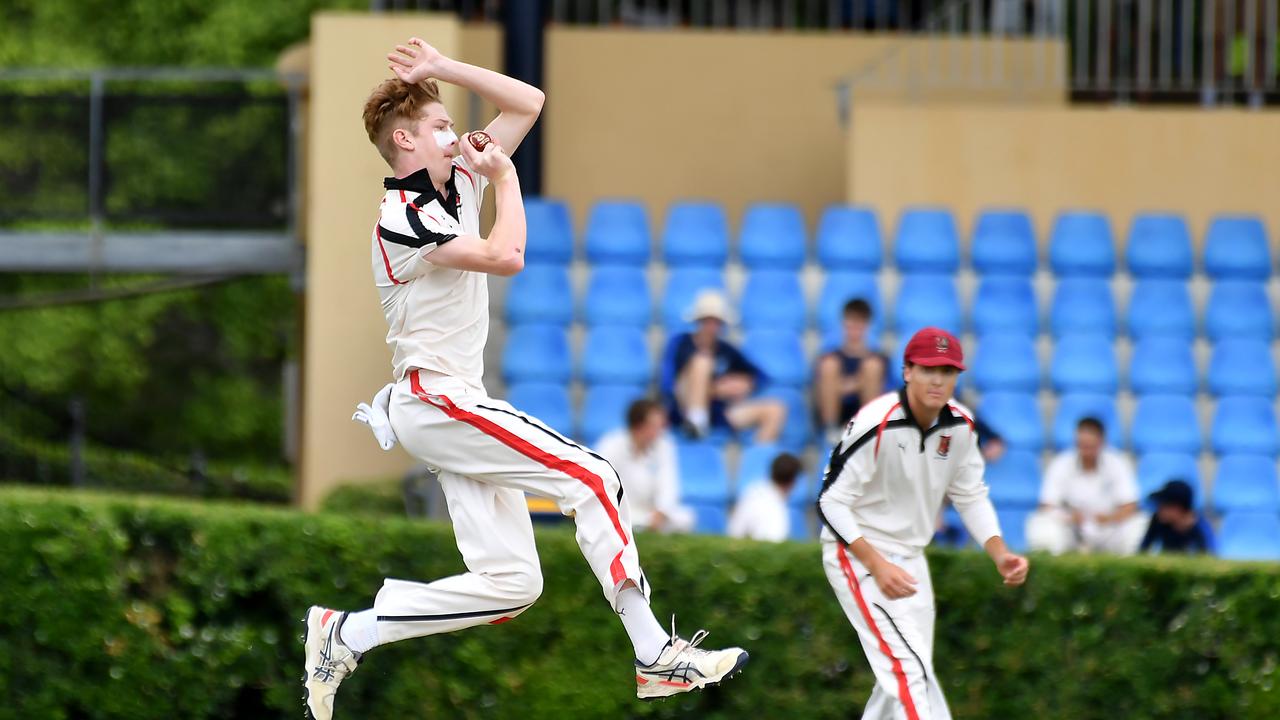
[426, 238]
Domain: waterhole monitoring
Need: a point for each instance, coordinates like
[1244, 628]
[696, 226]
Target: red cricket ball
[479, 140]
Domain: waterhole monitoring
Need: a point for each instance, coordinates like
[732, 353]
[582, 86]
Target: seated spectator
[644, 456]
[1177, 527]
[1089, 499]
[849, 376]
[713, 382]
[761, 512]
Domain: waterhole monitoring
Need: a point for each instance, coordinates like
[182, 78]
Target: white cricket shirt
[437, 317]
[887, 478]
[761, 514]
[1100, 491]
[651, 477]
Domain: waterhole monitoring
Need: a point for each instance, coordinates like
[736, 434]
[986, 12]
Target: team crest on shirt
[944, 445]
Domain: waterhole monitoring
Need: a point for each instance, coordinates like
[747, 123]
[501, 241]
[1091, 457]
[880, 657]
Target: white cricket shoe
[329, 660]
[684, 667]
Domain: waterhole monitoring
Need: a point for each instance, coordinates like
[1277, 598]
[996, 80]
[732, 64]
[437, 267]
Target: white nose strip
[445, 138]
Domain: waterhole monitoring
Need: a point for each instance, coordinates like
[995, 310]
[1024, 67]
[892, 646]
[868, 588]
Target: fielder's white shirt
[886, 478]
[1100, 491]
[437, 317]
[761, 514]
[651, 477]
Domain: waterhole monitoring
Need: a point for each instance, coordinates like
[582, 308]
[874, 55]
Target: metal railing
[95, 161]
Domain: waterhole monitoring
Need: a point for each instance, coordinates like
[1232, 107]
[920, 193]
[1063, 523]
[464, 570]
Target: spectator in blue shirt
[1176, 527]
[711, 384]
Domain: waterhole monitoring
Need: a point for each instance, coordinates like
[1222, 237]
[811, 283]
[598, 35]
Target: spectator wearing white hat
[710, 384]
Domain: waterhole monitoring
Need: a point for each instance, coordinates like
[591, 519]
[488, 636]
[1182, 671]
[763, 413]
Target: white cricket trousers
[489, 455]
[896, 635]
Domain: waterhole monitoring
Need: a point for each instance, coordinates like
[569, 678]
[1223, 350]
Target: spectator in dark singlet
[849, 376]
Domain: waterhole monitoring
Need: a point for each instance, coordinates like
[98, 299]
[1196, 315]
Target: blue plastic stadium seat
[798, 429]
[841, 287]
[1246, 482]
[702, 474]
[1083, 305]
[696, 235]
[616, 356]
[1236, 249]
[1245, 425]
[1163, 365]
[1005, 304]
[1085, 363]
[780, 355]
[1157, 468]
[927, 242]
[604, 408]
[1250, 535]
[1081, 245]
[1004, 243]
[773, 300]
[1005, 363]
[1239, 309]
[1014, 480]
[849, 239]
[773, 237]
[927, 300]
[753, 464]
[1013, 528]
[1016, 417]
[800, 529]
[1161, 308]
[540, 294]
[710, 518]
[1159, 247]
[683, 285]
[536, 353]
[753, 467]
[548, 402]
[1073, 407]
[1166, 423]
[550, 232]
[618, 233]
[1242, 367]
[617, 296]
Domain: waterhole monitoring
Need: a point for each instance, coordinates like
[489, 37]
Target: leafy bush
[380, 498]
[118, 608]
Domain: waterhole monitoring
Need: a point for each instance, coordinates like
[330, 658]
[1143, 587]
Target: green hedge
[119, 608]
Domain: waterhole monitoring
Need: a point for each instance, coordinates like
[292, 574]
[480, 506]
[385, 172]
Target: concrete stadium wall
[345, 355]
[736, 117]
[1045, 159]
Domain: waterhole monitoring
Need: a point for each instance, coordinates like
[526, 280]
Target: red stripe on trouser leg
[500, 620]
[904, 694]
[594, 482]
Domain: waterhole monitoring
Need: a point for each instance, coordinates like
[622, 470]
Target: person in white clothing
[429, 265]
[1088, 500]
[644, 455]
[884, 484]
[762, 512]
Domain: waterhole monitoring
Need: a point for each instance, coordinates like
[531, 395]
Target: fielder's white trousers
[488, 455]
[896, 635]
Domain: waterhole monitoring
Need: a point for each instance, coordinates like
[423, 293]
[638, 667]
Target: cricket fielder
[882, 492]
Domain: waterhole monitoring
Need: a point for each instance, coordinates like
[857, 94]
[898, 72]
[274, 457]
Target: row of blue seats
[1000, 363]
[775, 300]
[1241, 535]
[1161, 423]
[1241, 481]
[774, 237]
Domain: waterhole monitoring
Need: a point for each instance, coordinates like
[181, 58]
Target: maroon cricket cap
[934, 346]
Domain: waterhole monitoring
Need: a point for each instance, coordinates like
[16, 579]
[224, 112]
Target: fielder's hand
[893, 581]
[493, 163]
[1013, 568]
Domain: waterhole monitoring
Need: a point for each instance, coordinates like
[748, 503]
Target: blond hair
[396, 104]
